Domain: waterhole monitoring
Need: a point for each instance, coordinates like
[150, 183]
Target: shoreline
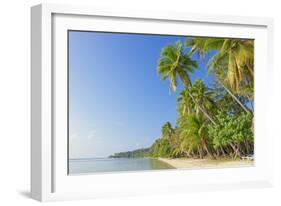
[181, 163]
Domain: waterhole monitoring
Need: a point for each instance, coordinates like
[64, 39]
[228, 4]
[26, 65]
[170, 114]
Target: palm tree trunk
[234, 149]
[222, 150]
[186, 153]
[233, 96]
[204, 144]
[186, 84]
[200, 108]
[200, 152]
[247, 147]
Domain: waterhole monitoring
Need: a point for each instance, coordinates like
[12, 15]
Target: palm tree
[199, 129]
[167, 131]
[170, 134]
[194, 134]
[185, 103]
[203, 95]
[172, 64]
[233, 62]
[188, 145]
[238, 54]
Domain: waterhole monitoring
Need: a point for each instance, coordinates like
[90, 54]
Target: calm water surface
[80, 166]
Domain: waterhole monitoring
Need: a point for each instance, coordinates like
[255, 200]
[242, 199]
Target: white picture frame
[49, 179]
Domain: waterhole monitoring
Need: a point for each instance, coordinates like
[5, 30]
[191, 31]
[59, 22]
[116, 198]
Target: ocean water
[100, 165]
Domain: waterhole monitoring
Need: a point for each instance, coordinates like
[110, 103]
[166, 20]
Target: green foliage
[167, 131]
[232, 129]
[173, 62]
[161, 148]
[132, 154]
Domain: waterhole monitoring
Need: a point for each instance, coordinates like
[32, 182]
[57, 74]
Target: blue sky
[117, 102]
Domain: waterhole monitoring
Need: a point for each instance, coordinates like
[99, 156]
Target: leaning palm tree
[238, 54]
[185, 105]
[189, 145]
[235, 54]
[194, 135]
[173, 64]
[203, 95]
[198, 130]
[167, 131]
[169, 134]
[202, 45]
[233, 63]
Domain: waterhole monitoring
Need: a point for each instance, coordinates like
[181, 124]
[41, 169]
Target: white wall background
[15, 103]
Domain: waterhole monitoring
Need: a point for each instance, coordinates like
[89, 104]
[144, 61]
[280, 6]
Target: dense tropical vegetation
[132, 154]
[213, 120]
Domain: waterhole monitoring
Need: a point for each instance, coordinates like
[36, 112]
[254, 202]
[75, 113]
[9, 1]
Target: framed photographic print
[133, 102]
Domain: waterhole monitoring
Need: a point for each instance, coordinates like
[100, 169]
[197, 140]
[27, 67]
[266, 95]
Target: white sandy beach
[206, 163]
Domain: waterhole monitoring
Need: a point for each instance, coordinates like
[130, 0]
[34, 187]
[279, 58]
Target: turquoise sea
[100, 165]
